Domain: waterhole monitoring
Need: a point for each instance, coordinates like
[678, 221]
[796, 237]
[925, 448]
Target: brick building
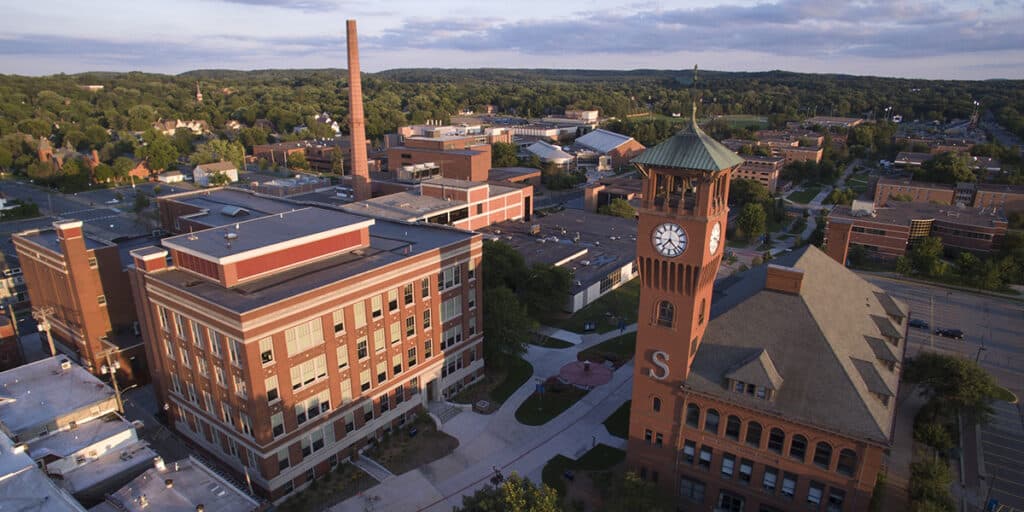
[283, 343]
[79, 283]
[470, 163]
[771, 391]
[619, 148]
[762, 169]
[1009, 198]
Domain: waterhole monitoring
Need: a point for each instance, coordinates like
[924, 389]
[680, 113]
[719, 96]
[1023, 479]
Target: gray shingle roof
[758, 370]
[813, 340]
[690, 148]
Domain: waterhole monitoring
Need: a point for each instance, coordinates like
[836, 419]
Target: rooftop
[603, 141]
[508, 173]
[217, 166]
[36, 392]
[66, 442]
[816, 341]
[24, 487]
[191, 484]
[213, 201]
[906, 181]
[690, 148]
[549, 152]
[125, 461]
[403, 206]
[47, 238]
[902, 213]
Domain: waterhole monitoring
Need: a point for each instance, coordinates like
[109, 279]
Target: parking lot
[1002, 448]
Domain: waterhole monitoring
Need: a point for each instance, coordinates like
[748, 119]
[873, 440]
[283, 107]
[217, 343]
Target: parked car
[918, 323]
[956, 334]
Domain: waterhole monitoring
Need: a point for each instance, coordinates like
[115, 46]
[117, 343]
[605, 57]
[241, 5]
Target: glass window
[798, 448]
[361, 349]
[342, 353]
[378, 340]
[412, 357]
[836, 497]
[746, 470]
[666, 313]
[376, 306]
[338, 317]
[410, 326]
[282, 459]
[392, 300]
[754, 434]
[396, 332]
[382, 371]
[407, 294]
[693, 415]
[267, 350]
[656, 404]
[823, 455]
[364, 379]
[705, 458]
[304, 336]
[788, 484]
[815, 492]
[426, 319]
[776, 440]
[396, 363]
[771, 476]
[691, 489]
[728, 465]
[711, 421]
[689, 451]
[346, 391]
[425, 287]
[277, 424]
[451, 308]
[847, 462]
[732, 427]
[271, 384]
[359, 313]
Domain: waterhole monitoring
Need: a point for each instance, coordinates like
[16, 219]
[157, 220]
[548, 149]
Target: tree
[633, 493]
[954, 382]
[182, 139]
[159, 152]
[103, 173]
[926, 257]
[929, 486]
[752, 220]
[504, 154]
[517, 494]
[297, 160]
[122, 166]
[219, 150]
[218, 179]
[619, 208]
[546, 290]
[949, 167]
[141, 202]
[337, 162]
[507, 323]
[845, 196]
[503, 266]
[743, 191]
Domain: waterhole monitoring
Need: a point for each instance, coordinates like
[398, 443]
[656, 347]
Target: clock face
[715, 238]
[669, 239]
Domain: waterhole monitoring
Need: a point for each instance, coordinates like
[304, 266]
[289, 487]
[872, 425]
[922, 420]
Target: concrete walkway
[499, 441]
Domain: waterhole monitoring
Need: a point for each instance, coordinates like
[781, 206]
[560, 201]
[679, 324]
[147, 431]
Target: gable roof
[548, 152]
[603, 141]
[818, 340]
[690, 148]
[217, 166]
[758, 370]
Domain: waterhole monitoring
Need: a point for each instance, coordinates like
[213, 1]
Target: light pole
[42, 315]
[977, 357]
[111, 368]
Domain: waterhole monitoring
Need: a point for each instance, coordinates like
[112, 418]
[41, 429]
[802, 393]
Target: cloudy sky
[925, 39]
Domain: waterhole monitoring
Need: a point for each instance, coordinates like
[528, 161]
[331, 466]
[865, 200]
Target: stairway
[444, 411]
[372, 468]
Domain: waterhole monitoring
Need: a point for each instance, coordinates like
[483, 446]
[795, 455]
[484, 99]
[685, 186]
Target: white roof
[41, 391]
[24, 487]
[67, 442]
[192, 484]
[126, 461]
[603, 141]
[548, 152]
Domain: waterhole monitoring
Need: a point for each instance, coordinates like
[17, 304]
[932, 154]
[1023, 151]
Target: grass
[618, 423]
[599, 458]
[804, 196]
[541, 408]
[334, 487]
[548, 342]
[401, 453]
[617, 350]
[605, 312]
[503, 378]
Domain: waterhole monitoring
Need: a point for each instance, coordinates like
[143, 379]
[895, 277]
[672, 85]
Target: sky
[952, 39]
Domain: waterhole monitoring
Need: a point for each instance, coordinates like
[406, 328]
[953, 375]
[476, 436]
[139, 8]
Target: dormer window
[755, 377]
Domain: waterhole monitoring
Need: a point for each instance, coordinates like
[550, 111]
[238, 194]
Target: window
[823, 455]
[240, 388]
[411, 357]
[658, 440]
[689, 451]
[729, 502]
[271, 384]
[162, 314]
[303, 337]
[367, 412]
[648, 435]
[282, 459]
[414, 386]
[426, 319]
[728, 465]
[452, 336]
[776, 440]
[471, 298]
[732, 428]
[711, 421]
[788, 484]
[656, 404]
[705, 458]
[350, 422]
[396, 332]
[197, 333]
[246, 423]
[169, 348]
[307, 372]
[376, 306]
[359, 313]
[407, 294]
[215, 342]
[746, 470]
[410, 326]
[691, 489]
[175, 383]
[382, 371]
[179, 324]
[836, 497]
[361, 350]
[399, 395]
[342, 354]
[666, 313]
[267, 351]
[277, 424]
[207, 401]
[338, 317]
[392, 300]
[847, 462]
[448, 278]
[451, 308]
[184, 357]
[472, 325]
[471, 269]
[220, 377]
[346, 391]
[754, 434]
[364, 380]
[236, 350]
[814, 493]
[771, 478]
[425, 287]
[428, 349]
[378, 340]
[385, 403]
[798, 448]
[396, 363]
[312, 407]
[693, 415]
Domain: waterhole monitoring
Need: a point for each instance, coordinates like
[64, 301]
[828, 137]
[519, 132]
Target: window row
[695, 490]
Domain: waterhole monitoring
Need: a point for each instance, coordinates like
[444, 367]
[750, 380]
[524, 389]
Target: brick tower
[680, 240]
[357, 124]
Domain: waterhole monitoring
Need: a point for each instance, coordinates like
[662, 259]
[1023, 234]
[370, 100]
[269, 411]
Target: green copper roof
[691, 148]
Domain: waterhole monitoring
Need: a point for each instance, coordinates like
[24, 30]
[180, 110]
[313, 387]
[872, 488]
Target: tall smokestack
[357, 124]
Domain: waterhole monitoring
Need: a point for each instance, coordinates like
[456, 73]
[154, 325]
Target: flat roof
[264, 232]
[463, 152]
[604, 242]
[902, 213]
[36, 392]
[441, 181]
[402, 206]
[124, 462]
[390, 242]
[47, 238]
[66, 442]
[214, 200]
[192, 484]
[27, 489]
[505, 173]
[909, 182]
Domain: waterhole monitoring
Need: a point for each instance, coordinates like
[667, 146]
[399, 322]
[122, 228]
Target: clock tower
[680, 241]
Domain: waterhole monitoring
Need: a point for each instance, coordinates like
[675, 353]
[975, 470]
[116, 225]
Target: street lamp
[42, 315]
[110, 368]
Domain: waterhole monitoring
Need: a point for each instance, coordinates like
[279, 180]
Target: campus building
[282, 343]
[762, 169]
[1008, 198]
[771, 391]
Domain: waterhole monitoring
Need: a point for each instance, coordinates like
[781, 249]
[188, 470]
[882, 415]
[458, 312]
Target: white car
[114, 201]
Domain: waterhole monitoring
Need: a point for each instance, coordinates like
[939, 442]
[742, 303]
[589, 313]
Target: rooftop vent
[65, 364]
[169, 483]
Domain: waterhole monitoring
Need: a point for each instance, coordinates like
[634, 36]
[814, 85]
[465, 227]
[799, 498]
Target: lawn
[618, 423]
[400, 452]
[617, 350]
[334, 487]
[599, 458]
[502, 379]
[606, 312]
[804, 196]
[541, 408]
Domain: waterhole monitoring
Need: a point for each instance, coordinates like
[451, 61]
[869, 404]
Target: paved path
[499, 441]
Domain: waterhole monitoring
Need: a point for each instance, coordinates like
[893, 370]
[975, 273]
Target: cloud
[303, 5]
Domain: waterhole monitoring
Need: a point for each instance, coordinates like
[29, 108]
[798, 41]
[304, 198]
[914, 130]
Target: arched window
[711, 421]
[656, 404]
[666, 313]
[776, 440]
[700, 315]
[732, 427]
[847, 462]
[693, 415]
[754, 434]
[823, 455]
[798, 448]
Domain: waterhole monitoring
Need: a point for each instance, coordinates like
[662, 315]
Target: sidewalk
[499, 441]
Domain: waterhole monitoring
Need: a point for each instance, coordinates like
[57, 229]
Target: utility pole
[17, 332]
[111, 368]
[931, 321]
[42, 315]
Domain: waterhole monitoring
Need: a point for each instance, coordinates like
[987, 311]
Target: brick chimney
[784, 279]
[357, 124]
